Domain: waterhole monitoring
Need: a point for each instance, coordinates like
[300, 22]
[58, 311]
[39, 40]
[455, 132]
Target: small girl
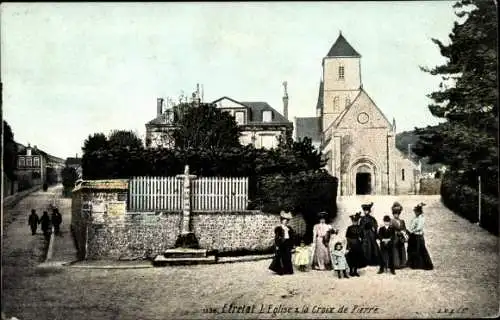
[339, 260]
[302, 256]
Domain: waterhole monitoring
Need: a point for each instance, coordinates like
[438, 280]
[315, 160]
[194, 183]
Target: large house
[355, 135]
[260, 124]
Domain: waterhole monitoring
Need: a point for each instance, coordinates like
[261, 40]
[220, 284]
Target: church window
[336, 103]
[402, 174]
[341, 72]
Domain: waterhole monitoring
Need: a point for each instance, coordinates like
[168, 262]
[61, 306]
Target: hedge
[463, 200]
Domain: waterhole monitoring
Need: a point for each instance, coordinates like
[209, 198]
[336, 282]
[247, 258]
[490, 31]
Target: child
[387, 234]
[302, 256]
[339, 260]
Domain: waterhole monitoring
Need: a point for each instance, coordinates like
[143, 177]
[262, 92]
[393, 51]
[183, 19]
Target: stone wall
[103, 229]
[430, 186]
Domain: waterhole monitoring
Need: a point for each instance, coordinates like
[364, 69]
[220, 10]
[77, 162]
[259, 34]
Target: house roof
[257, 108]
[342, 48]
[319, 104]
[74, 161]
[308, 127]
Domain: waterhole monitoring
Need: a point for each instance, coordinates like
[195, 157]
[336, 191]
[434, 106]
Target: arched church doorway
[363, 180]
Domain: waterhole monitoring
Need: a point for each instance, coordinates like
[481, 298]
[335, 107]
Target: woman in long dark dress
[418, 256]
[283, 240]
[369, 228]
[355, 256]
[399, 250]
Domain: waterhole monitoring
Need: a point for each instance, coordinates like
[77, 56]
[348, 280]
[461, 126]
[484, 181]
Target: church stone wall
[104, 229]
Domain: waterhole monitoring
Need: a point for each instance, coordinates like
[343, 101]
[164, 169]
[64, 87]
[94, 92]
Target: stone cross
[186, 190]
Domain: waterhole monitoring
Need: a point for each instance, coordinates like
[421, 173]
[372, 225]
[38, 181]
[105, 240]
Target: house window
[347, 101]
[240, 117]
[36, 161]
[403, 174]
[28, 162]
[341, 72]
[267, 116]
[268, 141]
[22, 163]
[336, 103]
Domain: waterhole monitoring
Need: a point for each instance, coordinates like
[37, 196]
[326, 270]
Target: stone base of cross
[186, 192]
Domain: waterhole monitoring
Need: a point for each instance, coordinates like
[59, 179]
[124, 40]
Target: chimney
[28, 150]
[285, 101]
[393, 124]
[159, 106]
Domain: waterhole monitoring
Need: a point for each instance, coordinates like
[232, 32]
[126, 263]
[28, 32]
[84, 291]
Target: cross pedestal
[186, 192]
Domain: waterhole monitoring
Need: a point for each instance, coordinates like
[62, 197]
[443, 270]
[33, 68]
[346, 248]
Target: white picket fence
[207, 194]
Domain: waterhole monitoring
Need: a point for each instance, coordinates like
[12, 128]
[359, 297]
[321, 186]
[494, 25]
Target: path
[461, 279]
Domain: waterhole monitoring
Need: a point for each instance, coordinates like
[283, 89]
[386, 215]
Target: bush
[304, 192]
[463, 200]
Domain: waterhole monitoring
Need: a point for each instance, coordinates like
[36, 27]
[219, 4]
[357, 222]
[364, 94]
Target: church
[355, 136]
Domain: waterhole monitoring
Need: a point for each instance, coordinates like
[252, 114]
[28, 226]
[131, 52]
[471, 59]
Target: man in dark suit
[387, 235]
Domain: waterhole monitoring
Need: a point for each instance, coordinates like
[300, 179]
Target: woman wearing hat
[355, 256]
[283, 240]
[322, 259]
[369, 227]
[418, 256]
[399, 251]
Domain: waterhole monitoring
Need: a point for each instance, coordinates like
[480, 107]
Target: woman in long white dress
[321, 240]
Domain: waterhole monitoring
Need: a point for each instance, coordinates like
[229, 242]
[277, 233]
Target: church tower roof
[342, 48]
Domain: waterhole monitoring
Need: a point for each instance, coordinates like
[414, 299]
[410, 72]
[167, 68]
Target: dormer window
[267, 116]
[341, 72]
[239, 116]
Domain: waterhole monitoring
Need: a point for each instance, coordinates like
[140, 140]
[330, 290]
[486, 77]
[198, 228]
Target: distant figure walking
[56, 220]
[418, 256]
[45, 224]
[283, 240]
[369, 228]
[33, 221]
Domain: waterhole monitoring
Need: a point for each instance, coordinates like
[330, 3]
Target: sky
[72, 69]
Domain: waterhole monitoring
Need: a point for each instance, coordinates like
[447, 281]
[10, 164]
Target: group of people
[45, 222]
[367, 244]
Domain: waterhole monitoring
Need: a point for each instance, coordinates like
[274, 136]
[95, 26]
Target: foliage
[51, 176]
[205, 126]
[95, 142]
[403, 139]
[464, 200]
[124, 139]
[9, 152]
[305, 192]
[468, 140]
[69, 177]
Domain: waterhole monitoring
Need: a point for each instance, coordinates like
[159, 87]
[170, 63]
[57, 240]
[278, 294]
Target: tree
[95, 142]
[9, 151]
[467, 98]
[205, 126]
[69, 177]
[124, 139]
